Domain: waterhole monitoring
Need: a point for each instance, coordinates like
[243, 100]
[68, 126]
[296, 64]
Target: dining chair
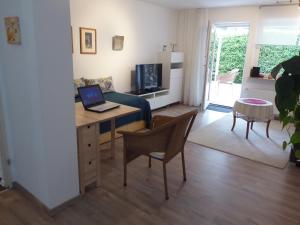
[163, 142]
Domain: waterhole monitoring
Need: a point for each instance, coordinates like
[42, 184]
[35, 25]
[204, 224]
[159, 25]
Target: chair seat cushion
[158, 155]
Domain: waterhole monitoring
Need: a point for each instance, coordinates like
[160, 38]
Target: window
[278, 36]
[271, 55]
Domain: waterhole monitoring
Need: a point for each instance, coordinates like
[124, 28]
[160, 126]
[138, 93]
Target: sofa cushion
[78, 83]
[105, 83]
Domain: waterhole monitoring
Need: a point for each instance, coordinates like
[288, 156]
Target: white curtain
[192, 36]
[279, 26]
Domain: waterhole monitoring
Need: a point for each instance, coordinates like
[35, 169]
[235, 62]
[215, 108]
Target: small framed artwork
[12, 26]
[88, 42]
[118, 43]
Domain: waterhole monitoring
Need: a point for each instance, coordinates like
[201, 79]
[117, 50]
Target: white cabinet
[176, 86]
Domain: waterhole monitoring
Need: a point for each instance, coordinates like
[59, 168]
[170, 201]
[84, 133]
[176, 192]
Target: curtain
[192, 36]
[279, 26]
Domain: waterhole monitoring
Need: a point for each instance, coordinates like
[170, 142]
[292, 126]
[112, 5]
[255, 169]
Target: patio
[224, 94]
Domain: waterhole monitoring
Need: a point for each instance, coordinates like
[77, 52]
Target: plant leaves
[295, 139]
[284, 145]
[297, 154]
[286, 121]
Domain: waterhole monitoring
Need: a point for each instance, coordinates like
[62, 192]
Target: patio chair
[227, 78]
[163, 142]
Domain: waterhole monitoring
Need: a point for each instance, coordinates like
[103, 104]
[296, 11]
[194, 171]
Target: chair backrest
[229, 77]
[181, 129]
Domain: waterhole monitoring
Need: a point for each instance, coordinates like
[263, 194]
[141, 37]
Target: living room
[40, 136]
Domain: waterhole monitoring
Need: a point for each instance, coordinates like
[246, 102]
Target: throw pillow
[105, 83]
[78, 83]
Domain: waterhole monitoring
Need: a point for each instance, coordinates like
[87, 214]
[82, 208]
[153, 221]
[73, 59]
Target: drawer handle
[89, 145]
[88, 126]
[90, 162]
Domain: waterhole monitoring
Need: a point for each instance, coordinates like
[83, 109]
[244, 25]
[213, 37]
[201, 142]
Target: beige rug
[258, 147]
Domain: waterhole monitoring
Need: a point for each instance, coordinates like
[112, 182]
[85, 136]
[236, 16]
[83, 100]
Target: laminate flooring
[221, 189]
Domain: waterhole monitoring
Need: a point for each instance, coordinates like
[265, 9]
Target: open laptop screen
[91, 95]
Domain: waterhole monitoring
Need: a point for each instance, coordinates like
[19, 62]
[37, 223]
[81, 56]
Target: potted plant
[287, 89]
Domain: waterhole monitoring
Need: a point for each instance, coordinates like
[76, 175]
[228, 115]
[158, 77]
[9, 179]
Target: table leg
[267, 128]
[252, 125]
[247, 132]
[234, 121]
[113, 132]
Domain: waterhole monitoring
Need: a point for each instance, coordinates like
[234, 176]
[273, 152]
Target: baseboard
[39, 204]
[57, 209]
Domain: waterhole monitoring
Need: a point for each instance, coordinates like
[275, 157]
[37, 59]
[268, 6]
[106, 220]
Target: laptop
[93, 100]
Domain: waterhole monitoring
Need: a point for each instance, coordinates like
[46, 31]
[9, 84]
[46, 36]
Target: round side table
[253, 110]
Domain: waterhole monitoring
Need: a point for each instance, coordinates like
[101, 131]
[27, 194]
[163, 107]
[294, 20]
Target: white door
[210, 59]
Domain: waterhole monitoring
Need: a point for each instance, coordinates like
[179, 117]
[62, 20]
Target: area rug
[258, 147]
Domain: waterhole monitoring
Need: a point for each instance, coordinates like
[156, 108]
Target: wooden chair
[163, 142]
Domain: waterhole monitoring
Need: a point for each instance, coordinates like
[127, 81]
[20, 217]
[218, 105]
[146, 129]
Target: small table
[253, 110]
[87, 124]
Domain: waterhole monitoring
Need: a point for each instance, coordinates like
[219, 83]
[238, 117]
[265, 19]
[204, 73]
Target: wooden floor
[221, 189]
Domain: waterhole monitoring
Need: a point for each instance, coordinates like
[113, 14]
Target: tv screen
[148, 76]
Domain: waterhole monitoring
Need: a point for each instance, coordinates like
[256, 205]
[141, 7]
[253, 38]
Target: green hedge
[233, 54]
[271, 55]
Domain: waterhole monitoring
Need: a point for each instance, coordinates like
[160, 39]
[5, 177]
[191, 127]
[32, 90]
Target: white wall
[146, 28]
[39, 108]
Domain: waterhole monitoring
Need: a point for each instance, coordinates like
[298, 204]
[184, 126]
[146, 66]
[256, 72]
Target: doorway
[226, 60]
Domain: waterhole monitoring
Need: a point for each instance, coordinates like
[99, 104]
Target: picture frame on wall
[118, 43]
[88, 40]
[13, 33]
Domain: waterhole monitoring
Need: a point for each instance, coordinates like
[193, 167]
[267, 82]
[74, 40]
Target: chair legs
[247, 131]
[165, 181]
[234, 121]
[183, 166]
[267, 128]
[149, 161]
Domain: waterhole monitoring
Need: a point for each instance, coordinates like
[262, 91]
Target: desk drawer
[89, 147]
[88, 131]
[90, 178]
[90, 166]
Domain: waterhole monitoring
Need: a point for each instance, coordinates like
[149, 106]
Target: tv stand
[157, 99]
[146, 91]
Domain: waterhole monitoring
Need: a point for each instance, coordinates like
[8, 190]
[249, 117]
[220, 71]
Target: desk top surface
[84, 117]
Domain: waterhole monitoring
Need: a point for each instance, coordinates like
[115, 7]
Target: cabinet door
[176, 83]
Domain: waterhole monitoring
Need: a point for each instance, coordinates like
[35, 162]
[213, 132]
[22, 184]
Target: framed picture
[118, 43]
[88, 41]
[12, 26]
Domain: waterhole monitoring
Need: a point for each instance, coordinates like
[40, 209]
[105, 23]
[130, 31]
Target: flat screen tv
[148, 77]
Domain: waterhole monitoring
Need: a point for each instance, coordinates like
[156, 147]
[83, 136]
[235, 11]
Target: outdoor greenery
[271, 55]
[233, 53]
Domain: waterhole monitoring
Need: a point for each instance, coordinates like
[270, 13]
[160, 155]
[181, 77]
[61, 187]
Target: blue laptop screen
[91, 95]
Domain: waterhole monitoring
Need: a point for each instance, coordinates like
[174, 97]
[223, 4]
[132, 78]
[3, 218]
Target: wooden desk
[87, 124]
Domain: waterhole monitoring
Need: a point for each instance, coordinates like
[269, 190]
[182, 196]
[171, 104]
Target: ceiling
[183, 4]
